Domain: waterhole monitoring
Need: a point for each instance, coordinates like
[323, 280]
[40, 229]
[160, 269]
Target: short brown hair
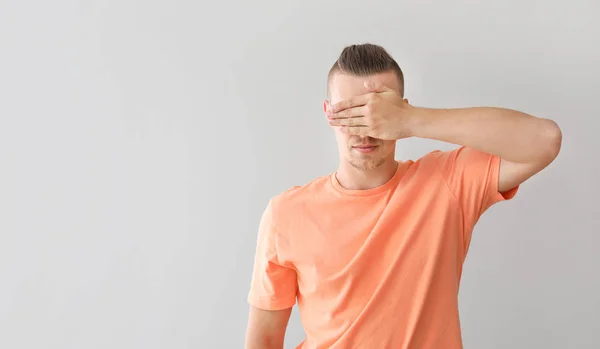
[364, 60]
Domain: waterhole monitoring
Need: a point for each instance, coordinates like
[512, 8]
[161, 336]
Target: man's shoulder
[286, 208]
[427, 162]
[301, 194]
[435, 154]
[444, 157]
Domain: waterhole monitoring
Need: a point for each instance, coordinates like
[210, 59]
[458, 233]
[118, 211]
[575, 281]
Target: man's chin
[366, 163]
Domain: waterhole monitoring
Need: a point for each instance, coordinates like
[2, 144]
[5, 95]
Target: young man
[373, 252]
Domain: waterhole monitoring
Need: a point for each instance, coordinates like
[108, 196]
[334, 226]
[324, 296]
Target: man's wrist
[419, 120]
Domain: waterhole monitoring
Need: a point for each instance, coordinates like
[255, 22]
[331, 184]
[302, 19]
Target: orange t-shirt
[377, 268]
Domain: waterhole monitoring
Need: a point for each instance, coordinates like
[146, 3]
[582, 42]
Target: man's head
[355, 65]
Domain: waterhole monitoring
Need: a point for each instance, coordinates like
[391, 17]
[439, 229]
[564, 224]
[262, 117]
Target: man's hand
[381, 113]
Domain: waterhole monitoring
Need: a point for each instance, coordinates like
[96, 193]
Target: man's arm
[266, 328]
[525, 144]
[273, 287]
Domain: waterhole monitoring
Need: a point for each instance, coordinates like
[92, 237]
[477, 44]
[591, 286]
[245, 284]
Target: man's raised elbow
[552, 140]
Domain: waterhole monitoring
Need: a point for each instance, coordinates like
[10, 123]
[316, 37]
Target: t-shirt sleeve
[274, 284]
[472, 177]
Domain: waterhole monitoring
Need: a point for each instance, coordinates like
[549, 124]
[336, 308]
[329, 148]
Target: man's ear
[325, 104]
[406, 100]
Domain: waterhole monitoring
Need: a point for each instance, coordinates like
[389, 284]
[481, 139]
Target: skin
[526, 144]
[266, 328]
[370, 111]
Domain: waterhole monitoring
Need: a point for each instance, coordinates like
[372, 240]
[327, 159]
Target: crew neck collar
[366, 192]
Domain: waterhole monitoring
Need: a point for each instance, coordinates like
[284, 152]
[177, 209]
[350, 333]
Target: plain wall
[141, 140]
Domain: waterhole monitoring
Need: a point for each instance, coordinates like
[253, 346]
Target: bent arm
[525, 144]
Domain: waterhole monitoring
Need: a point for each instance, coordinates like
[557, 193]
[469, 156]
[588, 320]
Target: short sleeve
[473, 176]
[273, 285]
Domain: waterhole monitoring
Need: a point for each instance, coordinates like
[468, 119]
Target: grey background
[141, 140]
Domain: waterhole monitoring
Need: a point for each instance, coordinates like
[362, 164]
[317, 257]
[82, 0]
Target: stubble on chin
[366, 165]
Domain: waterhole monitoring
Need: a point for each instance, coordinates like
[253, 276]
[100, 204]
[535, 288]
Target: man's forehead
[343, 86]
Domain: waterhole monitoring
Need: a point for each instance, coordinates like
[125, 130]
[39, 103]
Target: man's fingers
[376, 87]
[356, 130]
[350, 120]
[355, 121]
[349, 103]
[347, 113]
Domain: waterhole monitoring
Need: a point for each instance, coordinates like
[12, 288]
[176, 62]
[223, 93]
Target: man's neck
[353, 178]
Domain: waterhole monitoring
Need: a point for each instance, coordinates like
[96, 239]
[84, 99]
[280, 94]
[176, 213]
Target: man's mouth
[365, 148]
